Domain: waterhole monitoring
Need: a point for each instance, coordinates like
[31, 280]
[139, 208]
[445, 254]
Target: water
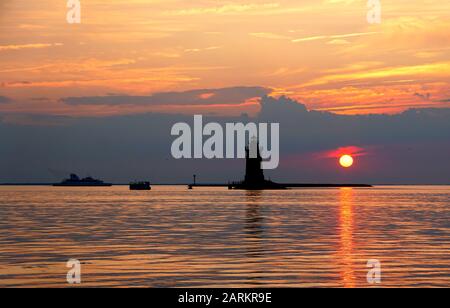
[172, 237]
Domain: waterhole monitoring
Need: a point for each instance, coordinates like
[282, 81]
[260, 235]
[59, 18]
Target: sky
[99, 98]
[323, 53]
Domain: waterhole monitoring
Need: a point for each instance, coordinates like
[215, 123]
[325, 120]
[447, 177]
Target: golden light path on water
[172, 237]
[346, 235]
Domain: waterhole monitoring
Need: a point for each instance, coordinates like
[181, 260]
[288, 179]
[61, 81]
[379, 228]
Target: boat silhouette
[75, 181]
[140, 186]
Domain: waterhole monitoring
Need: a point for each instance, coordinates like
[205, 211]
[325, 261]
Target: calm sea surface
[172, 237]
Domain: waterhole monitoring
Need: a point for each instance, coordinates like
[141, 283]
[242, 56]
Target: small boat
[140, 186]
[75, 181]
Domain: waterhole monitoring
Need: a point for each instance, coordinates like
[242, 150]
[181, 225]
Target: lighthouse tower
[254, 175]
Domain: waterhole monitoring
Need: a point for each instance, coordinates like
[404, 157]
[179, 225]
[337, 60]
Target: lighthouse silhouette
[253, 160]
[254, 174]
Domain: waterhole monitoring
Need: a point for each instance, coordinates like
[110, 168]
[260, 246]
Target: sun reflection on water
[346, 224]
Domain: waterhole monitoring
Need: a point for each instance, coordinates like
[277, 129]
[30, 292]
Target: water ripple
[171, 237]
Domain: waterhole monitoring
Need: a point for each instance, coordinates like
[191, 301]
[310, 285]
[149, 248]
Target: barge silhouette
[140, 186]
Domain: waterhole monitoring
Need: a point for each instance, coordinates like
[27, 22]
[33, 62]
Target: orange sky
[323, 53]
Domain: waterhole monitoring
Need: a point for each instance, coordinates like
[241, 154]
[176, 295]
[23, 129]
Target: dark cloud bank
[4, 100]
[234, 95]
[410, 148]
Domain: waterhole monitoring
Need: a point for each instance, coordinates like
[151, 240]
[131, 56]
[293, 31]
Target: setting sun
[346, 161]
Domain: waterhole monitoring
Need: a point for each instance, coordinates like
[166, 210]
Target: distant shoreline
[300, 185]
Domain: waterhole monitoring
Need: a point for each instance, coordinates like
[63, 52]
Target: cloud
[348, 150]
[440, 69]
[421, 37]
[31, 27]
[224, 96]
[332, 37]
[338, 42]
[35, 120]
[202, 49]
[426, 96]
[225, 9]
[268, 35]
[28, 46]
